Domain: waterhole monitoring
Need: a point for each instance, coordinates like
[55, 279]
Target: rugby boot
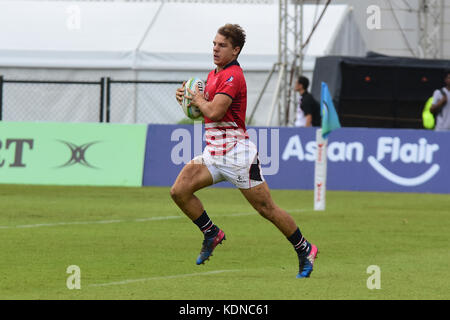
[208, 246]
[306, 262]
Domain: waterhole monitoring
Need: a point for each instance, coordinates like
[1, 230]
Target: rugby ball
[192, 111]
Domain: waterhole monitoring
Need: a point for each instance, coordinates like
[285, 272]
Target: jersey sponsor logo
[229, 82]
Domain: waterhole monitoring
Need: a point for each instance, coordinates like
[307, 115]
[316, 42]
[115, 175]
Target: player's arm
[215, 109]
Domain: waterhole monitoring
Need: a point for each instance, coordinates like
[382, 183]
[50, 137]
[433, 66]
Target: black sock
[205, 224]
[300, 244]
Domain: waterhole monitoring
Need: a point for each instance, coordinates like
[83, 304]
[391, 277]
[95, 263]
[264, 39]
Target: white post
[320, 172]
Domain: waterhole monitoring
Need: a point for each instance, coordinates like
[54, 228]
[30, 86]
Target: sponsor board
[72, 153]
[379, 159]
[359, 159]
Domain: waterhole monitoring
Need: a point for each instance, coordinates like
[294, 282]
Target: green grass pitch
[134, 243]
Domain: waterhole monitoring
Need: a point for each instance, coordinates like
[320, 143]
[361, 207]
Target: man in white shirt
[441, 105]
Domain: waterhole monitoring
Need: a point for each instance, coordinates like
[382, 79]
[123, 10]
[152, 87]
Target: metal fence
[142, 101]
[106, 100]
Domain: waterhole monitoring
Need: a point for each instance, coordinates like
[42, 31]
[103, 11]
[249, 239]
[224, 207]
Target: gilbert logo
[18, 147]
[78, 154]
[408, 153]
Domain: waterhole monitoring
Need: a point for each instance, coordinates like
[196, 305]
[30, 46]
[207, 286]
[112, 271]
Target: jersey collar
[232, 63]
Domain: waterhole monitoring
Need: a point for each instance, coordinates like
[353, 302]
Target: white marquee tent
[149, 41]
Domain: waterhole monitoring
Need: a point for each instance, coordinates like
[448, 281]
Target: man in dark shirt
[308, 109]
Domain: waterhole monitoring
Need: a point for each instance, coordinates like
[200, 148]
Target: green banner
[72, 153]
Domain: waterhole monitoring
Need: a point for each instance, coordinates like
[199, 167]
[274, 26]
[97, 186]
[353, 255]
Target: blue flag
[330, 119]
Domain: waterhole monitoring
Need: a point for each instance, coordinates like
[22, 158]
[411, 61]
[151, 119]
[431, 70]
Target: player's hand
[196, 97]
[180, 93]
[443, 101]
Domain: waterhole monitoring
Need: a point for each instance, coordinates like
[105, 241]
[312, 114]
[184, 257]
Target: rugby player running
[229, 154]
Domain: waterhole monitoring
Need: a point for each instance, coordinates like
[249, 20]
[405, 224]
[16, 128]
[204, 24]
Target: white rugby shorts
[240, 165]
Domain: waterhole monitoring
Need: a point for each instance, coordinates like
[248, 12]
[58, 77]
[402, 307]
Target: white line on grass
[55, 224]
[59, 224]
[161, 278]
[86, 222]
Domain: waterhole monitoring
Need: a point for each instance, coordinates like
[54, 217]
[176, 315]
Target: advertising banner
[359, 159]
[72, 153]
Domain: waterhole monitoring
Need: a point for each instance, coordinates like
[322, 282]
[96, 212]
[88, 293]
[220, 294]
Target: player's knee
[175, 193]
[179, 192]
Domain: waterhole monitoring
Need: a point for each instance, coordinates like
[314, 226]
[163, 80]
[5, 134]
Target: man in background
[441, 106]
[308, 109]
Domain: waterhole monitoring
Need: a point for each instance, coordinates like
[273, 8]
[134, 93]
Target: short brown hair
[235, 33]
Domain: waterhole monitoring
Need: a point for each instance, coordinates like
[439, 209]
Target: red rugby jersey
[222, 135]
